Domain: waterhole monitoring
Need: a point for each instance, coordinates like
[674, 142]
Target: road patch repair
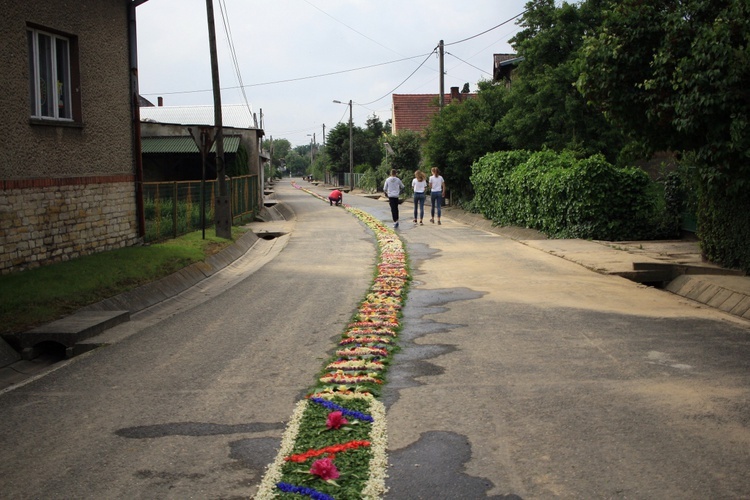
[335, 443]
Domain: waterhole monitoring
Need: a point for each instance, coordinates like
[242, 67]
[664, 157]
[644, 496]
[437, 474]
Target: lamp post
[351, 147]
[312, 148]
[388, 149]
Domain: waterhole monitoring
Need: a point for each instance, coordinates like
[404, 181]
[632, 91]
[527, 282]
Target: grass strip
[36, 296]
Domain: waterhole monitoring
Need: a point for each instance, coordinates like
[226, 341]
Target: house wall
[67, 189]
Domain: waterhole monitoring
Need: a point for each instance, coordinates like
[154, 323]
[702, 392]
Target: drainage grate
[269, 235]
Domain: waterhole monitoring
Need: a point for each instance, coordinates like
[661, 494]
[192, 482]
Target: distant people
[419, 185]
[392, 189]
[437, 193]
[336, 197]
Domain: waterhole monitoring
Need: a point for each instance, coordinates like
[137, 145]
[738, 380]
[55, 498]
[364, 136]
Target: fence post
[174, 211]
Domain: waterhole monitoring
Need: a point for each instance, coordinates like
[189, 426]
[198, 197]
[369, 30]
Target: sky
[295, 57]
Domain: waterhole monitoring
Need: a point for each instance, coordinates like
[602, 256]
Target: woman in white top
[437, 192]
[392, 188]
[419, 185]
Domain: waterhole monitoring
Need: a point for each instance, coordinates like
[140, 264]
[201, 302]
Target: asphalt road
[194, 404]
[522, 375]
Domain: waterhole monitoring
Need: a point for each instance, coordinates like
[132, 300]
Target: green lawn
[37, 296]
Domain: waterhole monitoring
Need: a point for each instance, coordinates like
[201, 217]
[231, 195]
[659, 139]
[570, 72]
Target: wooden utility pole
[223, 208]
[442, 74]
[351, 149]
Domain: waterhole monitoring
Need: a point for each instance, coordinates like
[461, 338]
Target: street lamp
[351, 146]
[388, 149]
[312, 147]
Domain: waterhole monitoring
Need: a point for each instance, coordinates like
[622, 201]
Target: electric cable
[487, 31]
[468, 63]
[311, 77]
[232, 50]
[407, 79]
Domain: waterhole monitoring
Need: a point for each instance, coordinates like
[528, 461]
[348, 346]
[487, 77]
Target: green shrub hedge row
[564, 196]
[724, 228]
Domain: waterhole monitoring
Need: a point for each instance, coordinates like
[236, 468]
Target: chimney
[160, 100]
[455, 94]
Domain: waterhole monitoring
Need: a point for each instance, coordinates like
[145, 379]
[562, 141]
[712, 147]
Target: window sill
[51, 122]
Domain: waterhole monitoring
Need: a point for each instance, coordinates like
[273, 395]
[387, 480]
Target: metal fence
[343, 178]
[174, 208]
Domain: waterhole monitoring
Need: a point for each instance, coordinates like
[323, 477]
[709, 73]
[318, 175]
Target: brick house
[415, 111]
[68, 168]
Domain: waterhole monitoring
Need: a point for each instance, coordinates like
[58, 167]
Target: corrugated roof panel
[184, 145]
[232, 115]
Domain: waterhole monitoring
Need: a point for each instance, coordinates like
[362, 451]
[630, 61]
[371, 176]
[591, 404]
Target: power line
[468, 63]
[487, 31]
[354, 30]
[232, 51]
[407, 79]
[276, 82]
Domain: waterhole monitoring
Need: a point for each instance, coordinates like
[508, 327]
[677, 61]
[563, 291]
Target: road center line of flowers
[335, 443]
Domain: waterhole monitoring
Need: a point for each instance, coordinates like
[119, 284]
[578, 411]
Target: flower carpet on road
[334, 446]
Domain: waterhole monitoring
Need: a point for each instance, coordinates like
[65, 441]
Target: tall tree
[462, 133]
[545, 109]
[279, 148]
[337, 146]
[406, 146]
[677, 76]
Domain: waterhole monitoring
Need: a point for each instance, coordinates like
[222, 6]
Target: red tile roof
[414, 111]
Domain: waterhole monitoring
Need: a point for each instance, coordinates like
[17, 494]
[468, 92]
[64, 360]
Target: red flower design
[333, 449]
[325, 468]
[335, 420]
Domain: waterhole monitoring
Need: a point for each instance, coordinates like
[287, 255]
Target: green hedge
[564, 196]
[724, 227]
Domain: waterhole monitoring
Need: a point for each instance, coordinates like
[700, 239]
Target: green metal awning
[167, 144]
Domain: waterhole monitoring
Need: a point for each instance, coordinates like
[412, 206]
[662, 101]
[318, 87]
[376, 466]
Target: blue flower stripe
[349, 413]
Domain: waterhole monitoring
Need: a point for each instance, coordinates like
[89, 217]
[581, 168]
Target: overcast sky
[283, 47]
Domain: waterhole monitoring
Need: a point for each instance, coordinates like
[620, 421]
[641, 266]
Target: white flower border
[267, 489]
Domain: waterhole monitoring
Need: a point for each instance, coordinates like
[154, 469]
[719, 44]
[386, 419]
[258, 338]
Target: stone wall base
[54, 220]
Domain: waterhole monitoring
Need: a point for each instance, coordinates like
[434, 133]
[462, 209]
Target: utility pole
[351, 145]
[223, 209]
[324, 135]
[351, 149]
[441, 45]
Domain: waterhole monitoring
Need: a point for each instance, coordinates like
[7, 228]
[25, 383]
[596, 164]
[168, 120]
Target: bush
[724, 227]
[564, 196]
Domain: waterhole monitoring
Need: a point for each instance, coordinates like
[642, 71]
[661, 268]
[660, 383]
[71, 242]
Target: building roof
[184, 144]
[504, 66]
[232, 115]
[415, 111]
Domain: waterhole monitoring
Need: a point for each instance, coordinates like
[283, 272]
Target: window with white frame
[50, 78]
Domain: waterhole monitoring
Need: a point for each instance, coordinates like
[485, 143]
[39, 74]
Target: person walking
[392, 189]
[419, 185]
[437, 193]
